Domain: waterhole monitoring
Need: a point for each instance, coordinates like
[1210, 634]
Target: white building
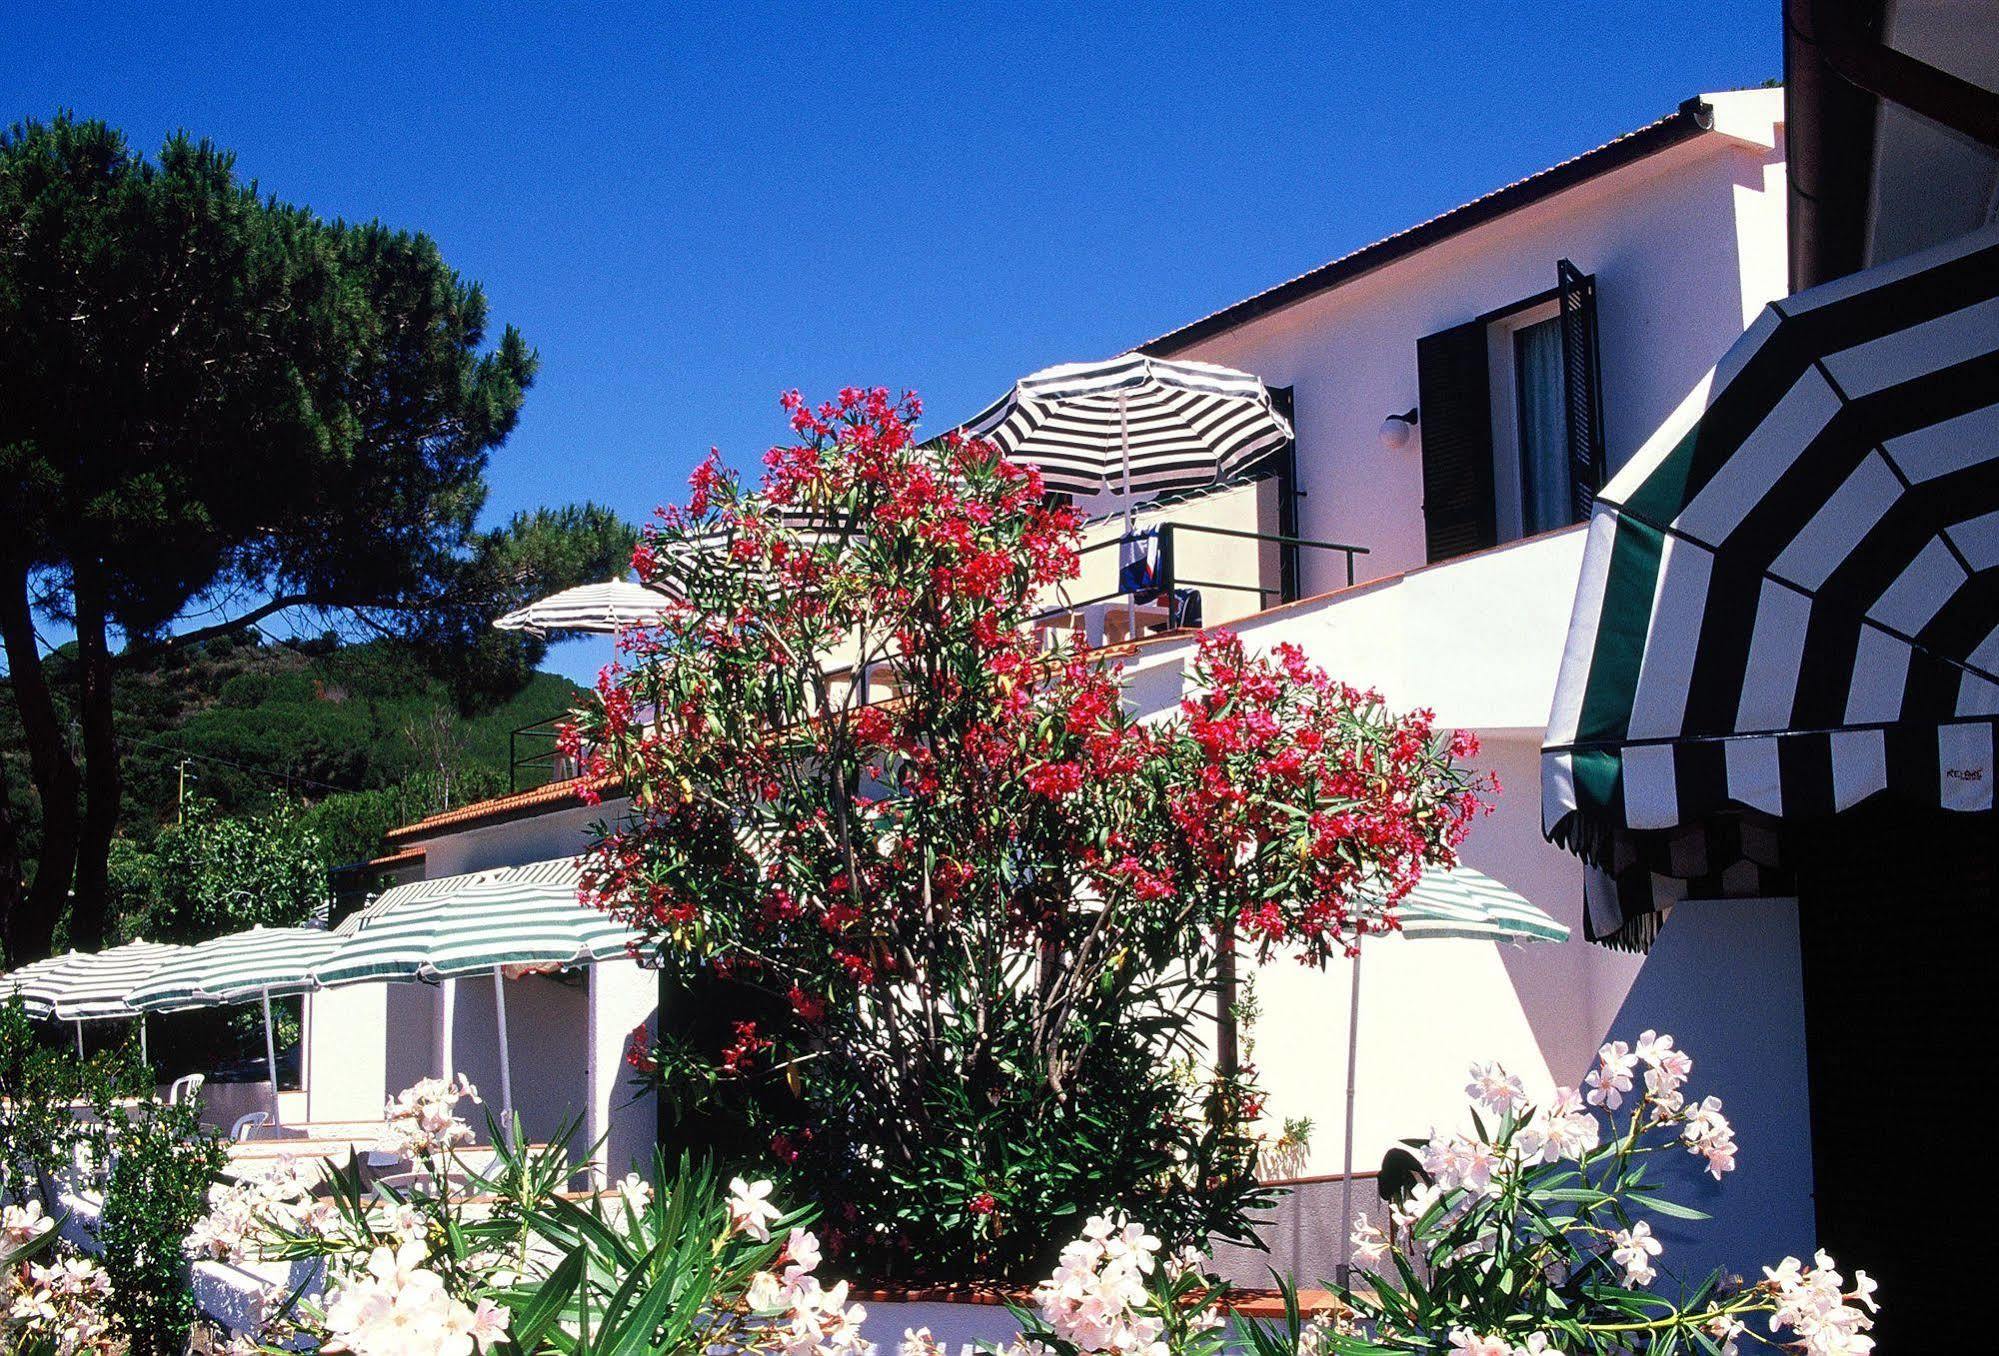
[1661, 245]
[1708, 748]
[567, 1034]
[1463, 602]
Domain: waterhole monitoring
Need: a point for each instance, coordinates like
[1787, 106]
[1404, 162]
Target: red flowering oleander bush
[944, 915]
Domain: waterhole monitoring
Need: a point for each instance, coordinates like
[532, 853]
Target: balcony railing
[535, 757]
[1179, 591]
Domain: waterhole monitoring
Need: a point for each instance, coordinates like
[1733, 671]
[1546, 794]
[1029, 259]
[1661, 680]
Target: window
[1530, 423]
[1511, 420]
[1542, 425]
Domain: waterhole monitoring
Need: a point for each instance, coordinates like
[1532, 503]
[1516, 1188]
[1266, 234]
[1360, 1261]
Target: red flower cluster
[867, 795]
[1325, 808]
[740, 1052]
[638, 1050]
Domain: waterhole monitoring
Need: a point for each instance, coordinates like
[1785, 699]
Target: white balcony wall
[1475, 640]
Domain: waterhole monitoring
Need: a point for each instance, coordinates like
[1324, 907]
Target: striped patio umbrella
[1786, 604]
[84, 987]
[524, 915]
[1141, 423]
[604, 609]
[1455, 905]
[478, 924]
[235, 968]
[90, 986]
[260, 963]
[1472, 906]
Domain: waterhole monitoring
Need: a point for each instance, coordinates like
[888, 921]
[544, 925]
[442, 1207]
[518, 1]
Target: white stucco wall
[1686, 245]
[1726, 979]
[565, 1037]
[346, 1053]
[1475, 640]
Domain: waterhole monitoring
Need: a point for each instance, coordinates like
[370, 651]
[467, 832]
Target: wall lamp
[1396, 430]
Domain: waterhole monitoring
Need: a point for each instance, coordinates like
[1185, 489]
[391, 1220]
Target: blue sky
[689, 210]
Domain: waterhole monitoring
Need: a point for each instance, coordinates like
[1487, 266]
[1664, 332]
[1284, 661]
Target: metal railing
[1168, 580]
[534, 752]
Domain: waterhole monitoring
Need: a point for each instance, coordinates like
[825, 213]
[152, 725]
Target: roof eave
[1689, 120]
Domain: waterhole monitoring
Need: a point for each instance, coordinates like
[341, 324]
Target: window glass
[1543, 426]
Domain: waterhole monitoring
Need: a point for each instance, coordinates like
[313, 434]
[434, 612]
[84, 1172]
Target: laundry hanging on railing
[1138, 566]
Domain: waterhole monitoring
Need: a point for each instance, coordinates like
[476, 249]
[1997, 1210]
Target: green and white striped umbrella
[1456, 905]
[463, 926]
[524, 915]
[1470, 905]
[235, 969]
[11, 982]
[407, 894]
[85, 987]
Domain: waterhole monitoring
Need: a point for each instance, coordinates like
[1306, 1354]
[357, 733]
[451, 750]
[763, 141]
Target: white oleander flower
[423, 1118]
[1460, 1161]
[801, 1256]
[1709, 1135]
[1633, 1249]
[1095, 1297]
[1495, 1089]
[1814, 1304]
[1564, 1128]
[635, 1192]
[1370, 1245]
[1726, 1329]
[398, 1307]
[1404, 1214]
[1610, 1080]
[21, 1225]
[750, 1209]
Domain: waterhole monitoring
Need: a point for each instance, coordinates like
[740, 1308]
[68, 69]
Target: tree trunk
[10, 863]
[29, 927]
[103, 786]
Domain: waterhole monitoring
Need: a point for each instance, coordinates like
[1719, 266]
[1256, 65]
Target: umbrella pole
[145, 1057]
[79, 1039]
[506, 1065]
[271, 1058]
[1124, 449]
[1346, 1148]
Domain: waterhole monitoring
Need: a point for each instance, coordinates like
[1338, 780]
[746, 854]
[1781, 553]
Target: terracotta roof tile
[407, 857]
[538, 800]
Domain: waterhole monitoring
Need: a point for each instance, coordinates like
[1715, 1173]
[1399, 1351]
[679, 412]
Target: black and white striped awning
[1790, 597]
[1183, 424]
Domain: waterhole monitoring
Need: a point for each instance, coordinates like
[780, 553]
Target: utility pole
[180, 800]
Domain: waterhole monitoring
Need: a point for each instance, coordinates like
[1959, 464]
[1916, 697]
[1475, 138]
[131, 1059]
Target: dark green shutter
[1289, 492]
[1454, 397]
[1582, 385]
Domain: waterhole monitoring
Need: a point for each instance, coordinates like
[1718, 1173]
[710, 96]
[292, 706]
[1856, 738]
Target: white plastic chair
[185, 1089]
[246, 1123]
